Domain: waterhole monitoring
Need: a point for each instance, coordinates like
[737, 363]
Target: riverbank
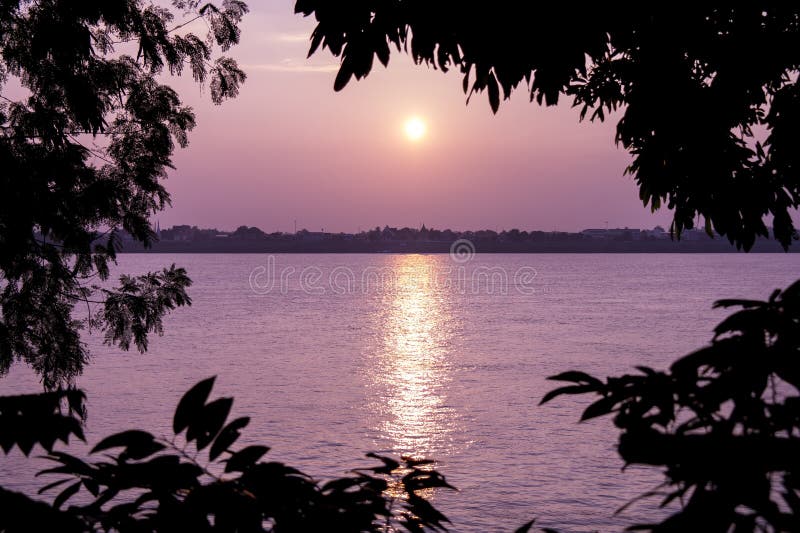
[228, 246]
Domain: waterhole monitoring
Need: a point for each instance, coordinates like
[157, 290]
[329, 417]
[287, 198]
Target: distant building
[595, 233]
[179, 233]
[695, 235]
[313, 236]
[613, 234]
[388, 233]
[655, 233]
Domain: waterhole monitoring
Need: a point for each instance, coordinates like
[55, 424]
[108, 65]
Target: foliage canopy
[87, 132]
[710, 108]
[148, 483]
[709, 95]
[724, 421]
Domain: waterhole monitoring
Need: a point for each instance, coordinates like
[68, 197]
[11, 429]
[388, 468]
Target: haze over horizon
[289, 148]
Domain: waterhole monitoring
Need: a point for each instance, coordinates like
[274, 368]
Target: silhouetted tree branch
[146, 483]
[60, 195]
[724, 421]
[695, 85]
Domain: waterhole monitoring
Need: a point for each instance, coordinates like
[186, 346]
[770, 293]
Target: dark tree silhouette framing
[710, 111]
[724, 421]
[196, 481]
[709, 95]
[710, 108]
[87, 132]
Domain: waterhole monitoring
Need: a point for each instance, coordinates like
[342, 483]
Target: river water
[433, 355]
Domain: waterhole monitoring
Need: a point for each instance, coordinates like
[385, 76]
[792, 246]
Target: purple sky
[291, 148]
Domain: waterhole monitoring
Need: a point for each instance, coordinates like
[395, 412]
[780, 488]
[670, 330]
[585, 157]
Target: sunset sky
[289, 148]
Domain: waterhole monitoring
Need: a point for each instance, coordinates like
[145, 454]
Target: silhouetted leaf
[138, 444]
[577, 377]
[53, 485]
[645, 370]
[92, 486]
[525, 528]
[382, 51]
[316, 40]
[191, 404]
[389, 464]
[494, 93]
[424, 479]
[211, 422]
[66, 494]
[601, 407]
[245, 458]
[344, 74]
[70, 465]
[569, 389]
[227, 436]
[427, 513]
[737, 303]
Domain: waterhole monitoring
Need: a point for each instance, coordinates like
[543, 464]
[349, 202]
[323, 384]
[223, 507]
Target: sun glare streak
[411, 372]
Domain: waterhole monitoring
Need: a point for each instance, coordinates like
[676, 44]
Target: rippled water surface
[336, 355]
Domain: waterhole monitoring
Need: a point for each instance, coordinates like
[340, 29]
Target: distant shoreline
[365, 247]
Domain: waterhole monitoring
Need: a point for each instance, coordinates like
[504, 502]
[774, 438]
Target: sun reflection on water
[411, 367]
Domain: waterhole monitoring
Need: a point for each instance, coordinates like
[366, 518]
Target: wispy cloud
[284, 37]
[290, 65]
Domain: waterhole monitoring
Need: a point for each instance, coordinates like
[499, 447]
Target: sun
[415, 129]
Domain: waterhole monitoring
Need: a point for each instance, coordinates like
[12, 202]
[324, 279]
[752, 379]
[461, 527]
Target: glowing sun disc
[415, 129]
